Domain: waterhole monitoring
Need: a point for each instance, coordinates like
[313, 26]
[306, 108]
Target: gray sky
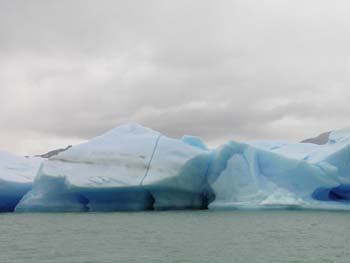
[70, 70]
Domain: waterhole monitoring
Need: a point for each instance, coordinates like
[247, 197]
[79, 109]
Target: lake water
[177, 236]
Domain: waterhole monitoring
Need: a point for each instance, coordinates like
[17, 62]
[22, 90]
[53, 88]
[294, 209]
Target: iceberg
[129, 168]
[16, 178]
[133, 168]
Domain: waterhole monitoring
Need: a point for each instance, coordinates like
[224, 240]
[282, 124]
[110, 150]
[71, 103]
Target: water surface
[178, 236]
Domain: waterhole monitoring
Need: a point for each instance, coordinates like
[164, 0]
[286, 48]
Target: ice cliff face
[134, 168]
[16, 177]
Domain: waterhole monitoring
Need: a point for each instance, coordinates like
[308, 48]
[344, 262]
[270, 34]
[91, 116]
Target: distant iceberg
[133, 168]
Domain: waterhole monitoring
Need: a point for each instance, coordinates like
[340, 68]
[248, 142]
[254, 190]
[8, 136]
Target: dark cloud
[70, 70]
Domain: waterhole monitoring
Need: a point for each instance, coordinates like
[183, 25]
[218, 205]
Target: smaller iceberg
[279, 174]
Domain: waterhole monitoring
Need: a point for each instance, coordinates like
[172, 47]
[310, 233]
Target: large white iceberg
[128, 168]
[16, 176]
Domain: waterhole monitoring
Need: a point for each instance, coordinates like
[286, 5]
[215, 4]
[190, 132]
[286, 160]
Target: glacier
[134, 168]
[16, 177]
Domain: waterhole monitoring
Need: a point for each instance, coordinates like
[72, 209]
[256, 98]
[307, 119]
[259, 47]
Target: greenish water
[179, 236]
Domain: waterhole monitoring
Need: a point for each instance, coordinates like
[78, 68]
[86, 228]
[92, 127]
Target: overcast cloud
[70, 70]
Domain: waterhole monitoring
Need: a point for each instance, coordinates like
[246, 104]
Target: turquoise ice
[279, 174]
[16, 177]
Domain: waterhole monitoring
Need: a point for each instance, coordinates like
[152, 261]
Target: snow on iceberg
[16, 177]
[128, 168]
